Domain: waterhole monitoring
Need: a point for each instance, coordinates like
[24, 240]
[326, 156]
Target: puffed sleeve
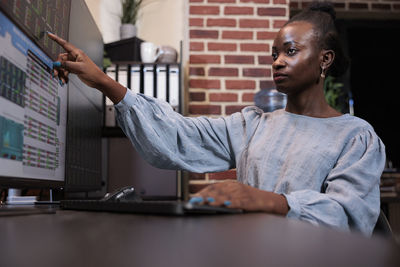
[168, 140]
[350, 197]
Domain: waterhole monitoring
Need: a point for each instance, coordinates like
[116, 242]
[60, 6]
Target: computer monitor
[33, 105]
[50, 134]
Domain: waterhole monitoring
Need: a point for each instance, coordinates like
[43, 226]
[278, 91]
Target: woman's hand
[77, 62]
[233, 194]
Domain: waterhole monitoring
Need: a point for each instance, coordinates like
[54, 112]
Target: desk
[72, 238]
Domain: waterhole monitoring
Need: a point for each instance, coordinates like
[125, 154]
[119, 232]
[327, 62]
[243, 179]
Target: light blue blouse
[327, 168]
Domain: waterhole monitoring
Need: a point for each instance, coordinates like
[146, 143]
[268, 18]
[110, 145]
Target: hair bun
[326, 7]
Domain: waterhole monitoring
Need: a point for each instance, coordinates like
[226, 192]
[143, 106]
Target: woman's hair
[322, 15]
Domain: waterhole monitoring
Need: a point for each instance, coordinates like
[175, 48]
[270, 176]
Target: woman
[308, 161]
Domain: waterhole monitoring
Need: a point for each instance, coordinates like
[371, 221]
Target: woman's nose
[278, 63]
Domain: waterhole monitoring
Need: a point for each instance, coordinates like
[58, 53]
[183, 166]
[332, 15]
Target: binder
[135, 78]
[111, 72]
[122, 75]
[174, 86]
[109, 105]
[148, 80]
[161, 74]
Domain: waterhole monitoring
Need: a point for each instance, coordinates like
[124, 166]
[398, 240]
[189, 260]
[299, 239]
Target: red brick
[196, 71]
[204, 83]
[205, 34]
[339, 5]
[204, 10]
[253, 23]
[380, 6]
[221, 22]
[238, 59]
[196, 22]
[255, 1]
[255, 47]
[222, 47]
[280, 2]
[205, 109]
[223, 97]
[265, 60]
[248, 97]
[242, 35]
[203, 59]
[234, 10]
[197, 96]
[226, 175]
[232, 109]
[294, 5]
[256, 72]
[267, 84]
[221, 1]
[240, 84]
[358, 6]
[223, 72]
[279, 23]
[266, 35]
[271, 11]
[197, 176]
[196, 46]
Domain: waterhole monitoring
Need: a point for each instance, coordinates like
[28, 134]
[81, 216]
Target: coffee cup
[149, 52]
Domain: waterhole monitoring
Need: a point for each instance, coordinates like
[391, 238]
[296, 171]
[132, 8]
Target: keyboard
[158, 207]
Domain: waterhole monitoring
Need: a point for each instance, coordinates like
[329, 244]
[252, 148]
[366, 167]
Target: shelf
[124, 50]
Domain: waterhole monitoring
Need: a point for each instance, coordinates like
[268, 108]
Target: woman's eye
[291, 51]
[274, 56]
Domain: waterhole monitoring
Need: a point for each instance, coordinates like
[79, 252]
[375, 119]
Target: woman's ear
[327, 57]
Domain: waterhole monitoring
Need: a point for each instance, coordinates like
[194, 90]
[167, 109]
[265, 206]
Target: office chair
[382, 226]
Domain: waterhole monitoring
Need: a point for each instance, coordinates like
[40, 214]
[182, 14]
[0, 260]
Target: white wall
[160, 21]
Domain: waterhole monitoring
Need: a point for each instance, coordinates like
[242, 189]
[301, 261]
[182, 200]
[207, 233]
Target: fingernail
[49, 32]
[210, 199]
[227, 203]
[56, 64]
[195, 200]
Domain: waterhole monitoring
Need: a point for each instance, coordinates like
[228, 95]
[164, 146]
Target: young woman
[307, 161]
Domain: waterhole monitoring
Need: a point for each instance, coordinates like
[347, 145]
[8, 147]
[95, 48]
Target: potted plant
[335, 94]
[130, 9]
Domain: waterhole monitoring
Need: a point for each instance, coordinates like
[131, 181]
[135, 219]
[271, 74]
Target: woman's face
[296, 58]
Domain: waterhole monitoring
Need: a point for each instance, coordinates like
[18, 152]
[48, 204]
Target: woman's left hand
[233, 194]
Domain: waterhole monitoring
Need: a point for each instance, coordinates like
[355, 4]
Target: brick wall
[229, 59]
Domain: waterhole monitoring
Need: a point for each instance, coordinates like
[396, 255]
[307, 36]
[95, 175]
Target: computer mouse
[127, 193]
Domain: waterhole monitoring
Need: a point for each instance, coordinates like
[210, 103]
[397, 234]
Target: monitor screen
[33, 105]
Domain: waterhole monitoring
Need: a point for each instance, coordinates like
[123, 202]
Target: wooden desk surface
[71, 238]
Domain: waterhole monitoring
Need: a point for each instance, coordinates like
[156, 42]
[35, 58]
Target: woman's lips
[278, 77]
